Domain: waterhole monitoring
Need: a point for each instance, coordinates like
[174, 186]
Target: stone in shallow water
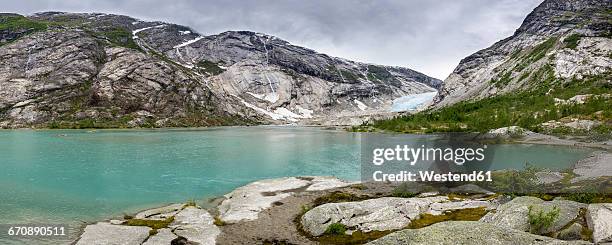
[466, 232]
[378, 214]
[163, 237]
[108, 234]
[599, 220]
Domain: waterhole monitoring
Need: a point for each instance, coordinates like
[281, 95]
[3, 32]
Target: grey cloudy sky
[430, 36]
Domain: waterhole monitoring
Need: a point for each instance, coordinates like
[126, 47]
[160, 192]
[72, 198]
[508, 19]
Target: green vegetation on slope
[17, 22]
[119, 36]
[538, 52]
[210, 67]
[13, 27]
[572, 41]
[527, 109]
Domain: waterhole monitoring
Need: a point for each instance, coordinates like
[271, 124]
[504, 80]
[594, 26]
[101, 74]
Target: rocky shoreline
[327, 210]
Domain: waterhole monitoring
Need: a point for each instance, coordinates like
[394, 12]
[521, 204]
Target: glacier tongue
[412, 102]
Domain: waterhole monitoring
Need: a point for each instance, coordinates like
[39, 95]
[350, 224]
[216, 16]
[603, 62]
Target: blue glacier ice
[412, 102]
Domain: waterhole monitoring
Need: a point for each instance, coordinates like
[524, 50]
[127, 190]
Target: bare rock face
[101, 70]
[44, 72]
[558, 41]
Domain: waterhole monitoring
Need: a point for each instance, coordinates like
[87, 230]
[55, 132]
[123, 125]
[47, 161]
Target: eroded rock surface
[246, 202]
[387, 213]
[466, 232]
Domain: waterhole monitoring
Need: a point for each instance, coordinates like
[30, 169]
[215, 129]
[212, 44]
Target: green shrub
[335, 229]
[404, 194]
[541, 220]
[515, 181]
[581, 197]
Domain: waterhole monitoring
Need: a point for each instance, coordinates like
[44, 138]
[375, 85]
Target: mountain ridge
[149, 73]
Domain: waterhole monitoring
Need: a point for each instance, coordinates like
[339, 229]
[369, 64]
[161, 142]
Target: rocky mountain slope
[553, 76]
[101, 70]
[560, 41]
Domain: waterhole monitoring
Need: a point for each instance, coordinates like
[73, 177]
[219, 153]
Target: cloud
[428, 36]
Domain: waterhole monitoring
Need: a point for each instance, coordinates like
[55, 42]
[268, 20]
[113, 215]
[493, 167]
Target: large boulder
[108, 234]
[599, 220]
[387, 213]
[466, 232]
[196, 225]
[246, 202]
[514, 214]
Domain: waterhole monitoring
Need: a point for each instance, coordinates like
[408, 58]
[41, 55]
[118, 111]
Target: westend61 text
[431, 176]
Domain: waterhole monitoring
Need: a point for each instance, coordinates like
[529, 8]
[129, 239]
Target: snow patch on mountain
[360, 105]
[188, 42]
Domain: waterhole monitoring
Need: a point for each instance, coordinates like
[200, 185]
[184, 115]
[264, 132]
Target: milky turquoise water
[75, 176]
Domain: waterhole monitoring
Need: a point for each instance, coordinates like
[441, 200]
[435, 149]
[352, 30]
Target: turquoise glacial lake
[77, 176]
